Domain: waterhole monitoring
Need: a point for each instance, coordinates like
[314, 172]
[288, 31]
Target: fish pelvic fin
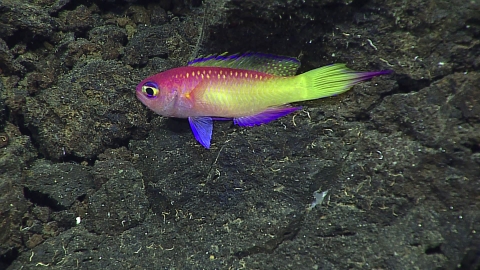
[202, 128]
[332, 80]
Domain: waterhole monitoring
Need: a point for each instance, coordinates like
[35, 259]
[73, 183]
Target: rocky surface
[90, 178]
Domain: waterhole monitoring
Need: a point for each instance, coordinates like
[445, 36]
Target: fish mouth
[140, 95]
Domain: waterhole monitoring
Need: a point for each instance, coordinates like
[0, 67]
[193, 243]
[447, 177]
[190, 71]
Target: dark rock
[79, 50]
[147, 43]
[77, 20]
[139, 14]
[120, 203]
[158, 15]
[436, 115]
[110, 39]
[86, 112]
[7, 63]
[62, 183]
[2, 109]
[13, 206]
[54, 250]
[25, 20]
[56, 5]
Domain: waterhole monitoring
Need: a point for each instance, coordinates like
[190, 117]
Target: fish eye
[150, 89]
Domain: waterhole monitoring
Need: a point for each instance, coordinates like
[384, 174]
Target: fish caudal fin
[333, 80]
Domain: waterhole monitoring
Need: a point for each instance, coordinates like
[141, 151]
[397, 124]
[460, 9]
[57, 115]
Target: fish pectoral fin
[264, 117]
[202, 129]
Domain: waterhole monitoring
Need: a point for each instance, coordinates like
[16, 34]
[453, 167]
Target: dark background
[399, 155]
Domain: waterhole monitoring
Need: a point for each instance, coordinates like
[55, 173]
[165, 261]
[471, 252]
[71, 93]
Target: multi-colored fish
[251, 88]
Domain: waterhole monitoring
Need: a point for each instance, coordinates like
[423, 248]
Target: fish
[250, 88]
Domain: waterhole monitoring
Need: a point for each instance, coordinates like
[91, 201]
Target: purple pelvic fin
[202, 129]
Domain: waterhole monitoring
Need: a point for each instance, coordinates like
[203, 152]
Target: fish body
[220, 92]
[250, 89]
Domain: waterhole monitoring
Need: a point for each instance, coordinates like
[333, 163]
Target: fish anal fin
[264, 117]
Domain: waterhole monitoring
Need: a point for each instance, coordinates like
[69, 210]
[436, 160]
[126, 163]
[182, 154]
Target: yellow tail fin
[332, 80]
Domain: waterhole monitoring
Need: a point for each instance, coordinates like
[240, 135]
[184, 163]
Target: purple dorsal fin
[262, 62]
[264, 117]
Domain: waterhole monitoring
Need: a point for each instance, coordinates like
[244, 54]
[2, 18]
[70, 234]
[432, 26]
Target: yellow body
[231, 93]
[235, 97]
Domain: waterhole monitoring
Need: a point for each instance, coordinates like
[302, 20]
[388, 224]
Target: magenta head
[156, 93]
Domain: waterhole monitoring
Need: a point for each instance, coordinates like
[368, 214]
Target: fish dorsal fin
[267, 63]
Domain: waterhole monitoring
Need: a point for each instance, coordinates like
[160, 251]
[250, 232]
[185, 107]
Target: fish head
[158, 94]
